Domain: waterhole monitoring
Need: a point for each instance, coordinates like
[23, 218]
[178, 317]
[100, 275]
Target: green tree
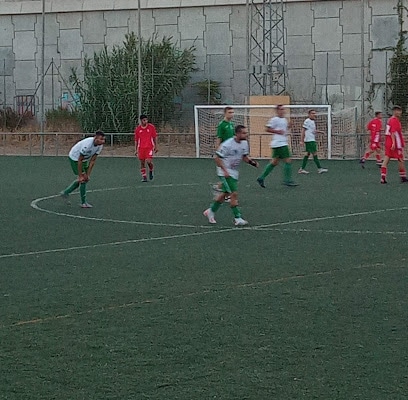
[108, 91]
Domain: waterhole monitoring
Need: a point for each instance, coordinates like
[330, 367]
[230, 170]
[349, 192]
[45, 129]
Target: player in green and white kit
[228, 158]
[82, 158]
[280, 148]
[309, 139]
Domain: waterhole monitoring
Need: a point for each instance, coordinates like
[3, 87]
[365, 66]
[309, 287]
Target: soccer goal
[255, 117]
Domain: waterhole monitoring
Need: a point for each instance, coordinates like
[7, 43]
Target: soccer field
[140, 298]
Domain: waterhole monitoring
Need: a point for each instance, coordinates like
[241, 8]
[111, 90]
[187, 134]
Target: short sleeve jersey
[394, 126]
[375, 127]
[310, 129]
[86, 148]
[231, 153]
[278, 123]
[225, 130]
[144, 136]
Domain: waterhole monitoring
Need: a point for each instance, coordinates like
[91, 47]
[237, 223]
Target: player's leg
[384, 169]
[216, 204]
[401, 169]
[82, 188]
[284, 154]
[302, 169]
[378, 159]
[75, 184]
[268, 169]
[149, 161]
[142, 159]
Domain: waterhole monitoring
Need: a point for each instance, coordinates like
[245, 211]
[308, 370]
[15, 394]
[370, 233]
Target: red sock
[143, 172]
[151, 167]
[378, 157]
[366, 155]
[402, 173]
[383, 172]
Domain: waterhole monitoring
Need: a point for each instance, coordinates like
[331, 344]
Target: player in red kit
[394, 145]
[375, 128]
[145, 146]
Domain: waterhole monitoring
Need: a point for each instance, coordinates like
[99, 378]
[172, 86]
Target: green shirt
[225, 130]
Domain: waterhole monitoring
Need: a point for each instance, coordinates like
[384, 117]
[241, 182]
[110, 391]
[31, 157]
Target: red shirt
[394, 126]
[375, 128]
[144, 136]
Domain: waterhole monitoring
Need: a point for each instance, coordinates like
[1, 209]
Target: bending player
[394, 145]
[375, 129]
[228, 158]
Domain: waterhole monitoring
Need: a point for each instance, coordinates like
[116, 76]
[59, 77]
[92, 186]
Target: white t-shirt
[85, 147]
[231, 153]
[278, 123]
[310, 130]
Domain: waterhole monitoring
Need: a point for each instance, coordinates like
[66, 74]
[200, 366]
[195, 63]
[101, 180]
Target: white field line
[332, 231]
[35, 204]
[119, 243]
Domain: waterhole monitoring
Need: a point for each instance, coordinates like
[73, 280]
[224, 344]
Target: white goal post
[339, 126]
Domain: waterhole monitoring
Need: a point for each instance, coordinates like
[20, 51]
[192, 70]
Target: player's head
[396, 111]
[241, 133]
[378, 114]
[99, 138]
[143, 119]
[228, 113]
[280, 110]
[312, 114]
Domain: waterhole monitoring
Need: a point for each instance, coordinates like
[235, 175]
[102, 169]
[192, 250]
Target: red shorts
[145, 154]
[375, 146]
[396, 153]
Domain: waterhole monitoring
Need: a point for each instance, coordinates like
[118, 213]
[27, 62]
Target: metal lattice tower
[266, 47]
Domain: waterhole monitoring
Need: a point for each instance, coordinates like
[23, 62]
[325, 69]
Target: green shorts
[311, 147]
[281, 152]
[74, 166]
[229, 185]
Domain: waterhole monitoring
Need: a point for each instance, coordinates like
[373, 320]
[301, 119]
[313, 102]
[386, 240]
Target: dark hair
[99, 133]
[239, 128]
[143, 116]
[311, 110]
[377, 113]
[228, 108]
[396, 108]
[280, 106]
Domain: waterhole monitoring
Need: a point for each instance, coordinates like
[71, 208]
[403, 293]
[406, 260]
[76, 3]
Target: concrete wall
[336, 51]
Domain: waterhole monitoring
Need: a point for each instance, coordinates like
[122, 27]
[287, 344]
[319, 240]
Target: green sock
[236, 212]
[305, 158]
[74, 185]
[317, 162]
[82, 190]
[287, 172]
[267, 170]
[215, 206]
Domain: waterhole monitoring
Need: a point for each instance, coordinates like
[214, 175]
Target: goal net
[338, 140]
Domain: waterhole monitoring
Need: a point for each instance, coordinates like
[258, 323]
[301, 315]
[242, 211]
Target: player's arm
[250, 161]
[136, 142]
[220, 164]
[155, 148]
[302, 135]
